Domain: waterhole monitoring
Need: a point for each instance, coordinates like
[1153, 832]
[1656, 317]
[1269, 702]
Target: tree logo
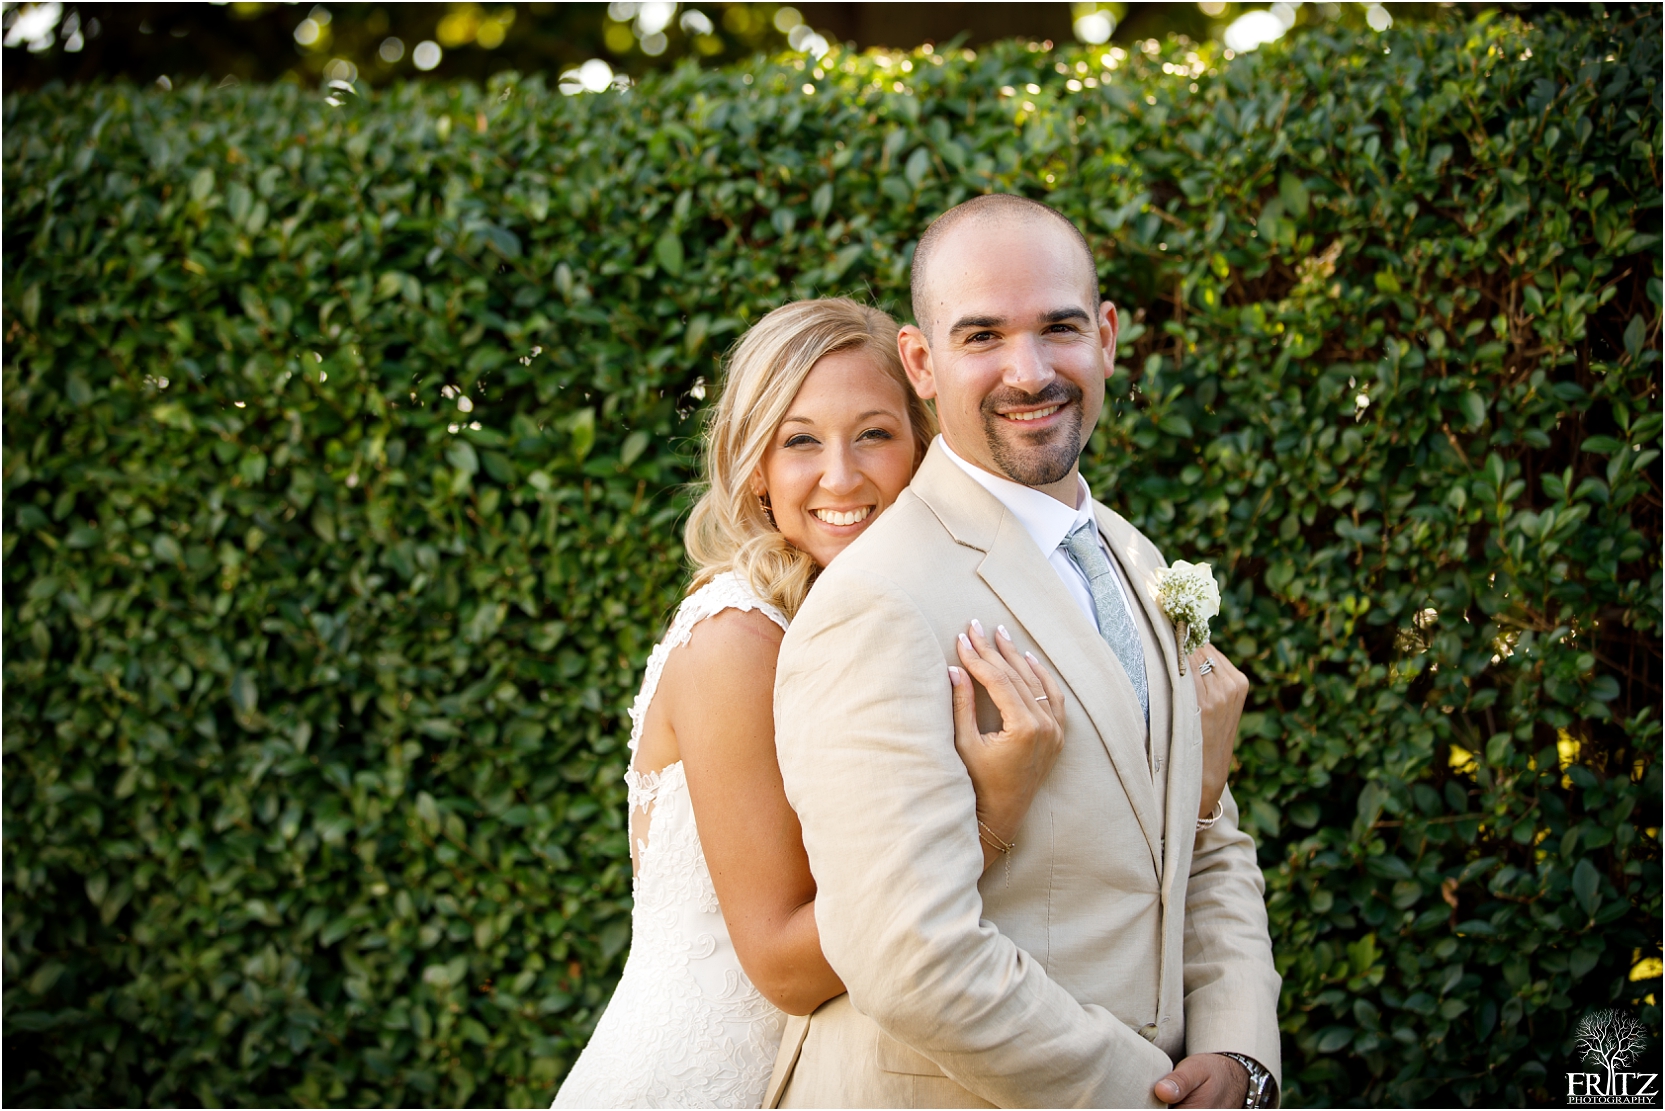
[1611, 1040]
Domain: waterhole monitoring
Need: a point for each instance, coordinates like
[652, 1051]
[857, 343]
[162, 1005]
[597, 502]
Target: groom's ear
[1109, 326]
[915, 350]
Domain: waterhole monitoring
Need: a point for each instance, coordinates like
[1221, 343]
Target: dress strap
[727, 591]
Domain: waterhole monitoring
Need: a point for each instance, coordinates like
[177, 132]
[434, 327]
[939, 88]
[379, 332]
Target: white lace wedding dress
[685, 1028]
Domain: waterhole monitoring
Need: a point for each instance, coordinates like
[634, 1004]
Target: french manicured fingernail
[1001, 629]
[978, 625]
[954, 676]
[965, 642]
[1030, 656]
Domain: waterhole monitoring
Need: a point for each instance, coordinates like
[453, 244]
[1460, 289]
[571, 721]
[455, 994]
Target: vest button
[1148, 1031]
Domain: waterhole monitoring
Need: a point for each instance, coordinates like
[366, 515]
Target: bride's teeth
[1036, 415]
[833, 517]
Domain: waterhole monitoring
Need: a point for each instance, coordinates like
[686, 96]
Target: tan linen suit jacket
[1120, 941]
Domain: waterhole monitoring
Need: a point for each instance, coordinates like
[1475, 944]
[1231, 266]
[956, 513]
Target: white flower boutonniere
[1189, 596]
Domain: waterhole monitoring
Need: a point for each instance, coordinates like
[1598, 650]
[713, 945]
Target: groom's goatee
[1043, 456]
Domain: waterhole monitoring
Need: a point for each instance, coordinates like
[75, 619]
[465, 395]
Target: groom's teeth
[833, 517]
[1036, 415]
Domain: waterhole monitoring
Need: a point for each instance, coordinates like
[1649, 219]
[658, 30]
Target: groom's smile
[1030, 415]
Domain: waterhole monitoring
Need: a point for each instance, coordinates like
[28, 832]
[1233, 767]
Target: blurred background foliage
[347, 435]
[375, 43]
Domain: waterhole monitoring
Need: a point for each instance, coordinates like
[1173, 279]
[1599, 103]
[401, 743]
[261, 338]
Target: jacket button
[1148, 1031]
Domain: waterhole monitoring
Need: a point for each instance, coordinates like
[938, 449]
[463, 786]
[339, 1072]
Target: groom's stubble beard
[1037, 458]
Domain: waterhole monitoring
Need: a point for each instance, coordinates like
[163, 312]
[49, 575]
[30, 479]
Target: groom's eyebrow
[966, 323]
[1056, 316]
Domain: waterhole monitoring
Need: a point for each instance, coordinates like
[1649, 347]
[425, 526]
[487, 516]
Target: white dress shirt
[1047, 521]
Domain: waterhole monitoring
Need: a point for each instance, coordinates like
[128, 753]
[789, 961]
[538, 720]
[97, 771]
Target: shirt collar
[1046, 519]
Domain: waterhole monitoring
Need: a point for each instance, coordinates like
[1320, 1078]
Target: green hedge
[346, 442]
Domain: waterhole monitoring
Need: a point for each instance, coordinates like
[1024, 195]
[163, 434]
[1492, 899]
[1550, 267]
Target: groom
[1121, 936]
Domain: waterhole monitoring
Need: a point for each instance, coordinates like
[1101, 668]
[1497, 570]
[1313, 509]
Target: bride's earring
[768, 510]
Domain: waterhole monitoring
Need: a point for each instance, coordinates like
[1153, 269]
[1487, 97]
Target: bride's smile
[842, 518]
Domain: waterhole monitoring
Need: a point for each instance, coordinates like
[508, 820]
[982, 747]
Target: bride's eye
[802, 439]
[875, 434]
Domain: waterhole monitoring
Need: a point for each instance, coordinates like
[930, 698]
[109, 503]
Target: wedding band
[1207, 665]
[1041, 698]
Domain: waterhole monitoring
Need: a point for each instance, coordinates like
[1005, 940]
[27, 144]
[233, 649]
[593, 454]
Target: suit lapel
[1014, 569]
[1019, 575]
[1142, 574]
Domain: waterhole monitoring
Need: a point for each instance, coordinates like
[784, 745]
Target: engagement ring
[1207, 665]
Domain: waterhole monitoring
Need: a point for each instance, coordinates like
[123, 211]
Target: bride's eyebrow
[870, 414]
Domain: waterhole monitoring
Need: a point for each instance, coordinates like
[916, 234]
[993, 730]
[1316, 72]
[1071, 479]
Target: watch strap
[1262, 1091]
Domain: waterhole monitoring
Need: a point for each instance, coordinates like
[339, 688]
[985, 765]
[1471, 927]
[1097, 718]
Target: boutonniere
[1189, 596]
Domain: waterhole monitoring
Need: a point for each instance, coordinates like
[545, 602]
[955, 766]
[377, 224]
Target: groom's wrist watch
[1263, 1090]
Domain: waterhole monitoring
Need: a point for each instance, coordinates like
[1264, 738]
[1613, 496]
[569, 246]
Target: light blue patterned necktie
[1115, 624]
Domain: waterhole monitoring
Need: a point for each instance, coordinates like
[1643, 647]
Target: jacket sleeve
[865, 732]
[1231, 984]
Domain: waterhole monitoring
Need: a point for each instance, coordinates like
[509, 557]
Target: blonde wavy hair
[729, 529]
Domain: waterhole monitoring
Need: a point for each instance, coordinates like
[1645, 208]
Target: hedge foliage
[345, 446]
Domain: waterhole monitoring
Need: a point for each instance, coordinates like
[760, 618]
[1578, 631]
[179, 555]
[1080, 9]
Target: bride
[816, 433]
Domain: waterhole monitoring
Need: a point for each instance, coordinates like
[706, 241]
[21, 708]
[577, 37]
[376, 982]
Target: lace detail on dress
[685, 1027]
[642, 789]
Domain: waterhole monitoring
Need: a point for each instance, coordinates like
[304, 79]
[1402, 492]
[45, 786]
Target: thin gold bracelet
[994, 840]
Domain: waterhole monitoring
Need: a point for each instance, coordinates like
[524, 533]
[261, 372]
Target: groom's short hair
[988, 207]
